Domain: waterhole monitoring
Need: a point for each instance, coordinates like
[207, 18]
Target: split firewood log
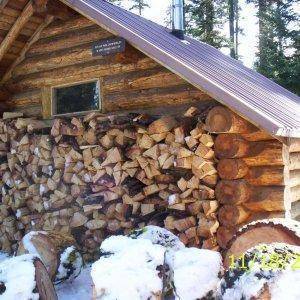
[25, 277]
[57, 251]
[263, 231]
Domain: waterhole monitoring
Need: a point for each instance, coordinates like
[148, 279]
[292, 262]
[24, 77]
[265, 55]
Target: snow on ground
[272, 264]
[3, 256]
[160, 236]
[194, 272]
[130, 272]
[17, 277]
[78, 289]
[70, 265]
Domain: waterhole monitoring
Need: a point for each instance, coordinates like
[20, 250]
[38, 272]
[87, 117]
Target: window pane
[77, 98]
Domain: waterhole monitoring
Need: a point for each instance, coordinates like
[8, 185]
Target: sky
[248, 21]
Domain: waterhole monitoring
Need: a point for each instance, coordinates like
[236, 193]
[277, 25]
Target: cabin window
[76, 98]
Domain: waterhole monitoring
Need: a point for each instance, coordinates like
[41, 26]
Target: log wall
[63, 55]
[259, 175]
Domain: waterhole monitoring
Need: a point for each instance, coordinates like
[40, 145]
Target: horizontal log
[153, 97]
[294, 145]
[295, 193]
[294, 161]
[34, 110]
[79, 72]
[26, 98]
[56, 59]
[239, 191]
[294, 178]
[61, 26]
[69, 39]
[145, 79]
[295, 211]
[262, 175]
[254, 153]
[257, 136]
[221, 119]
[232, 215]
[268, 200]
[71, 56]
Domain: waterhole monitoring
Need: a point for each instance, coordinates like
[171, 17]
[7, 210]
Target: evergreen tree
[139, 5]
[204, 20]
[278, 48]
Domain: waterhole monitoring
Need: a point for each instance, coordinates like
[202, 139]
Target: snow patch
[18, 276]
[247, 284]
[288, 223]
[78, 288]
[172, 199]
[27, 243]
[137, 261]
[70, 265]
[160, 236]
[194, 272]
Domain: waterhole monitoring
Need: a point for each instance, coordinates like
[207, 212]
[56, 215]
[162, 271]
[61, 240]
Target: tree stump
[57, 251]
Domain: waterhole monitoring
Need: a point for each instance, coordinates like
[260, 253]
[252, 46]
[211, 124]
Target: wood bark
[261, 232]
[253, 153]
[256, 198]
[261, 175]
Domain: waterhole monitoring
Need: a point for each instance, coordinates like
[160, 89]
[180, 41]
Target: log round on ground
[263, 231]
[267, 271]
[57, 251]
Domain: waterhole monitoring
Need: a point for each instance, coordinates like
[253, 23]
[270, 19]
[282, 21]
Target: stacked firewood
[251, 167]
[107, 174]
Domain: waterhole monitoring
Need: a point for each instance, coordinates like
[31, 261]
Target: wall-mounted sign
[108, 46]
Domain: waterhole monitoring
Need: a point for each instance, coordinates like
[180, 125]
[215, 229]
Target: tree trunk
[231, 12]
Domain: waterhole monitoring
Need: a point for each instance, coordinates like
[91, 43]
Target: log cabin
[71, 62]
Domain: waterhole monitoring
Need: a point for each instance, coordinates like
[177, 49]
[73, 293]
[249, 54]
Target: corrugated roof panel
[257, 98]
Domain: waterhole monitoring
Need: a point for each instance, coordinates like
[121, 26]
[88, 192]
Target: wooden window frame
[49, 101]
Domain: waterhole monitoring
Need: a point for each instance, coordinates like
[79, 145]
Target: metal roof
[247, 92]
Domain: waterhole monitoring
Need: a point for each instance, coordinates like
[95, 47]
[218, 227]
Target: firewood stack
[108, 174]
[251, 168]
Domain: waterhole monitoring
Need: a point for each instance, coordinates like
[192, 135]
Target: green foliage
[205, 19]
[139, 5]
[278, 55]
